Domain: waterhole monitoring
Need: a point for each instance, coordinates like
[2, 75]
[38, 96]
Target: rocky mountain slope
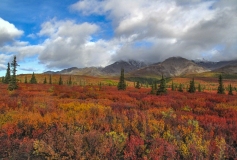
[128, 66]
[174, 66]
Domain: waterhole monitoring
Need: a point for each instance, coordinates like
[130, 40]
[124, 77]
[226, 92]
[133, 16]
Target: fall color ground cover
[42, 121]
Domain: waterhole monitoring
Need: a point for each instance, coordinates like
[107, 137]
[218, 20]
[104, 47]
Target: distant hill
[110, 70]
[89, 71]
[215, 65]
[229, 69]
[128, 66]
[174, 66]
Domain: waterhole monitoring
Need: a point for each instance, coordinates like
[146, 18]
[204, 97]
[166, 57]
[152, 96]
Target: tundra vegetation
[88, 118]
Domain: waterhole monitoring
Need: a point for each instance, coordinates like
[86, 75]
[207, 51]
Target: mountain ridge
[170, 67]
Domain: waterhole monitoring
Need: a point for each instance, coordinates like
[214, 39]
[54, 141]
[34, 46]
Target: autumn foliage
[51, 121]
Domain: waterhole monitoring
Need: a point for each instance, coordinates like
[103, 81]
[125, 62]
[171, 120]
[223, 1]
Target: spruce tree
[180, 88]
[230, 90]
[45, 80]
[26, 79]
[33, 79]
[13, 82]
[60, 82]
[50, 79]
[199, 88]
[221, 89]
[70, 80]
[138, 85]
[121, 85]
[172, 86]
[162, 87]
[8, 74]
[192, 87]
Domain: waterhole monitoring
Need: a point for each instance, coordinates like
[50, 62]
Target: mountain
[229, 69]
[89, 71]
[215, 65]
[174, 66]
[128, 66]
[110, 70]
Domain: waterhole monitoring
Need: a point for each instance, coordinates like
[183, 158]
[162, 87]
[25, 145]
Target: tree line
[158, 89]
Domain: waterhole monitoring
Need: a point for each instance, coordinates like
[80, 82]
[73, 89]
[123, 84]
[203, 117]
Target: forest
[89, 118]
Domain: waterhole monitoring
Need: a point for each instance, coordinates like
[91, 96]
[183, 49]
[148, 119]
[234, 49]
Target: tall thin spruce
[230, 90]
[33, 79]
[60, 82]
[221, 89]
[122, 85]
[8, 74]
[13, 82]
[162, 87]
[192, 88]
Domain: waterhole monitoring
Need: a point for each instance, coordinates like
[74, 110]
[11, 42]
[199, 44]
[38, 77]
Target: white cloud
[174, 27]
[69, 44]
[8, 32]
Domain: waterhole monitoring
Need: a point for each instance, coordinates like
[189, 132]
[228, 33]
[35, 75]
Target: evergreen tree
[199, 88]
[138, 85]
[180, 88]
[192, 87]
[221, 89]
[33, 79]
[50, 79]
[172, 86]
[230, 90]
[122, 84]
[45, 80]
[70, 80]
[8, 74]
[162, 87]
[13, 82]
[26, 79]
[60, 82]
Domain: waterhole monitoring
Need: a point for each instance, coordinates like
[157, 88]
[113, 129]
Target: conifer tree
[180, 88]
[70, 80]
[162, 87]
[50, 79]
[122, 85]
[13, 82]
[8, 74]
[172, 86]
[45, 80]
[138, 85]
[199, 88]
[60, 82]
[230, 90]
[221, 89]
[26, 79]
[33, 79]
[192, 87]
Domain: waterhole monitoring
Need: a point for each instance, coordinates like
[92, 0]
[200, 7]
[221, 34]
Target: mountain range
[173, 66]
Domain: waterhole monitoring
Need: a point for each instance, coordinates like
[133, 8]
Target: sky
[53, 35]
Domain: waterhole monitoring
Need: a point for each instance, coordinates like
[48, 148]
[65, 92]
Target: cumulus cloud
[70, 44]
[8, 32]
[192, 29]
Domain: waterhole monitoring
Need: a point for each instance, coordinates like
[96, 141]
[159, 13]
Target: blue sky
[53, 35]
